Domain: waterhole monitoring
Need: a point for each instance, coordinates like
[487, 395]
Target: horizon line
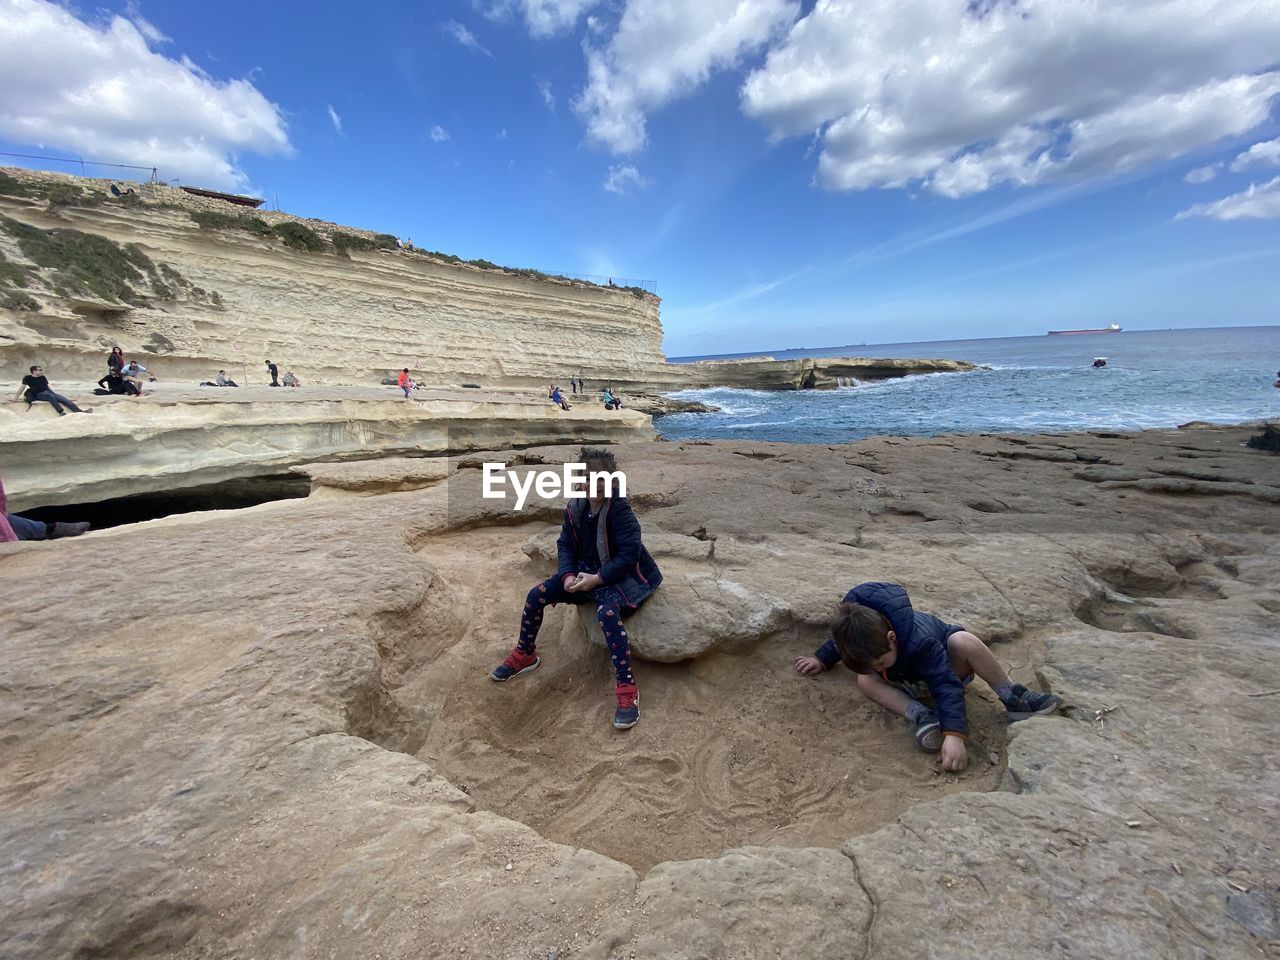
[746, 355]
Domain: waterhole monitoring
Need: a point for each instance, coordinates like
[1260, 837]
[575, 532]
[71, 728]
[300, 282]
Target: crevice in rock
[227, 495]
[874, 912]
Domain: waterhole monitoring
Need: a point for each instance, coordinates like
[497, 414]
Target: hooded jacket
[922, 650]
[624, 562]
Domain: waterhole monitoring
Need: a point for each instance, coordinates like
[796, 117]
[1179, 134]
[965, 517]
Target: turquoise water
[1153, 378]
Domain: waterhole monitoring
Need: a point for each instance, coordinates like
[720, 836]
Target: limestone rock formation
[180, 439]
[193, 284]
[270, 732]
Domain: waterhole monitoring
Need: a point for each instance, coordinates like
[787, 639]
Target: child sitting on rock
[601, 561]
[890, 646]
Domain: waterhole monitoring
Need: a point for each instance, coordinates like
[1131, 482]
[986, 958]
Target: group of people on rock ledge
[901, 655]
[611, 400]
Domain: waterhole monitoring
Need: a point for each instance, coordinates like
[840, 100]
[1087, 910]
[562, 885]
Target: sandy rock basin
[268, 732]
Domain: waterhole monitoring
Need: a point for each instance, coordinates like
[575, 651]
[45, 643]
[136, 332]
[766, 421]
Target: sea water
[1153, 378]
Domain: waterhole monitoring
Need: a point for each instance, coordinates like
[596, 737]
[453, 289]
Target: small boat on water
[1113, 328]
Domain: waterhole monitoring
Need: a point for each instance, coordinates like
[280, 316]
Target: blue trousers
[27, 529]
[608, 612]
[57, 399]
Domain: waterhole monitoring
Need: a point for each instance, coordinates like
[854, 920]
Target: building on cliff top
[236, 198]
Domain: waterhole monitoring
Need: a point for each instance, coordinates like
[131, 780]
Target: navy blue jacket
[624, 562]
[922, 649]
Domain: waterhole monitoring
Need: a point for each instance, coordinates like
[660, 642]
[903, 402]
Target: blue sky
[789, 174]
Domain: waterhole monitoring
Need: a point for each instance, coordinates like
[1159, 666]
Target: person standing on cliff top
[275, 373]
[601, 561]
[405, 383]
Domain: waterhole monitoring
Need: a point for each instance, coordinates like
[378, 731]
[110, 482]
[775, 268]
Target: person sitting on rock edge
[26, 529]
[601, 560]
[558, 398]
[290, 380]
[891, 647]
[35, 386]
[115, 384]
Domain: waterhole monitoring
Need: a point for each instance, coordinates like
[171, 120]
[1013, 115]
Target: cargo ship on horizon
[1113, 328]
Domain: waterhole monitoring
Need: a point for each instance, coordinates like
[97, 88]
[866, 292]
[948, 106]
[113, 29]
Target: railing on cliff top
[600, 280]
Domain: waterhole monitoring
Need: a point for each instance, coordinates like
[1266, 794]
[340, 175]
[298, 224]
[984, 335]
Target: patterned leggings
[607, 612]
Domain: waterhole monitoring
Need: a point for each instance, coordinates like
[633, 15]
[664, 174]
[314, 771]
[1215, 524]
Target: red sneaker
[628, 713]
[515, 664]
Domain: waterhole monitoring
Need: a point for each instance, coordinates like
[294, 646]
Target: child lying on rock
[891, 647]
[601, 561]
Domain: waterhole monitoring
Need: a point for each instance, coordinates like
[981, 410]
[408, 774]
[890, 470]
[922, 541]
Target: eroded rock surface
[231, 293]
[269, 732]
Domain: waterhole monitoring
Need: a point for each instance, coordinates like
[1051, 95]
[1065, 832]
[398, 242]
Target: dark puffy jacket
[922, 649]
[624, 562]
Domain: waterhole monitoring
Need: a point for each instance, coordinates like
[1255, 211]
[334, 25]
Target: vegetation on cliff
[298, 236]
[209, 220]
[84, 263]
[87, 265]
[14, 278]
[63, 194]
[60, 195]
[344, 242]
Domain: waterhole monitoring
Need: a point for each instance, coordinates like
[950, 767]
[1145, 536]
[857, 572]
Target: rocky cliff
[245, 287]
[192, 284]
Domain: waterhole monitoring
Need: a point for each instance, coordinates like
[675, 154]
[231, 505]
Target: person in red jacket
[404, 382]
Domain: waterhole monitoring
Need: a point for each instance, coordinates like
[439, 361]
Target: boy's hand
[954, 757]
[809, 665]
[568, 580]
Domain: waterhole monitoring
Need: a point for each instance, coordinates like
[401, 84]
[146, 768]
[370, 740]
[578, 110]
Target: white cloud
[544, 18]
[622, 176]
[1202, 174]
[145, 27]
[102, 92]
[547, 94]
[962, 97]
[1265, 154]
[337, 120]
[465, 37]
[664, 50]
[1261, 201]
[438, 134]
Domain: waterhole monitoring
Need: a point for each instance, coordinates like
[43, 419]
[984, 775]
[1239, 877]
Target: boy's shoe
[515, 664]
[628, 713]
[928, 732]
[61, 529]
[1024, 703]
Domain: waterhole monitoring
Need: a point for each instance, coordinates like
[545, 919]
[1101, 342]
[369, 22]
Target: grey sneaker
[61, 530]
[928, 732]
[1024, 703]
